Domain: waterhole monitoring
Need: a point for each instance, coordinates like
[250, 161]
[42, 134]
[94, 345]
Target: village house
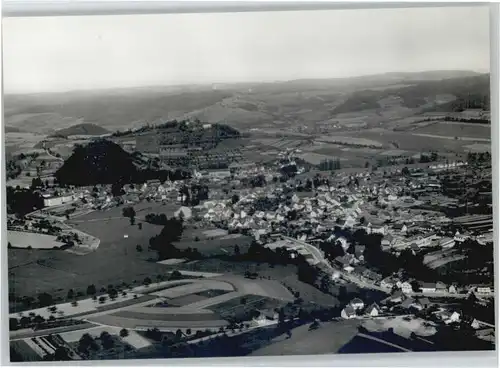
[475, 324]
[400, 228]
[357, 303]
[371, 276]
[348, 312]
[428, 287]
[459, 238]
[184, 213]
[388, 283]
[441, 287]
[406, 287]
[450, 317]
[373, 310]
[344, 260]
[349, 269]
[415, 248]
[483, 290]
[50, 200]
[379, 229]
[424, 303]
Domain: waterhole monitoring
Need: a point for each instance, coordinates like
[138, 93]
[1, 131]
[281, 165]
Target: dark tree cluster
[289, 171]
[105, 162]
[99, 162]
[157, 219]
[266, 204]
[254, 181]
[23, 201]
[468, 120]
[329, 165]
[479, 157]
[163, 242]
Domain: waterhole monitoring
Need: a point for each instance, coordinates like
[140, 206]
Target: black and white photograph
[248, 183]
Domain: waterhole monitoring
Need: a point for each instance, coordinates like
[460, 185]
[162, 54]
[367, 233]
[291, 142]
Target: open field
[242, 308]
[22, 142]
[453, 129]
[21, 239]
[457, 138]
[171, 316]
[433, 256]
[343, 140]
[280, 274]
[134, 339]
[170, 325]
[316, 158]
[478, 147]
[142, 209]
[185, 300]
[267, 288]
[35, 271]
[445, 260]
[409, 142]
[209, 246]
[113, 109]
[116, 231]
[327, 339]
[194, 287]
[145, 311]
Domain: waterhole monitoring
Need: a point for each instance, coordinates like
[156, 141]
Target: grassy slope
[82, 129]
[473, 89]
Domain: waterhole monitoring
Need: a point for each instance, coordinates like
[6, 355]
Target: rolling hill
[99, 162]
[112, 109]
[81, 129]
[104, 162]
[249, 105]
[467, 92]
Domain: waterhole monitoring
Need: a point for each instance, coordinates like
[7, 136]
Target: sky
[57, 54]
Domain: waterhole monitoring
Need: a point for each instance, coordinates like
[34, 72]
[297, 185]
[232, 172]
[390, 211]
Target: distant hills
[10, 129]
[113, 109]
[81, 129]
[246, 105]
[466, 92]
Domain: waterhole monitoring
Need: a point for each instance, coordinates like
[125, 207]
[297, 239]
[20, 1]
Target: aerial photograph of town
[248, 184]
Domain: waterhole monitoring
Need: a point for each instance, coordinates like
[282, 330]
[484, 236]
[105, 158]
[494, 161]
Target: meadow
[21, 239]
[327, 339]
[456, 129]
[114, 262]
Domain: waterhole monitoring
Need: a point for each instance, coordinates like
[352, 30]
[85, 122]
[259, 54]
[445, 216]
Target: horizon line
[212, 84]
